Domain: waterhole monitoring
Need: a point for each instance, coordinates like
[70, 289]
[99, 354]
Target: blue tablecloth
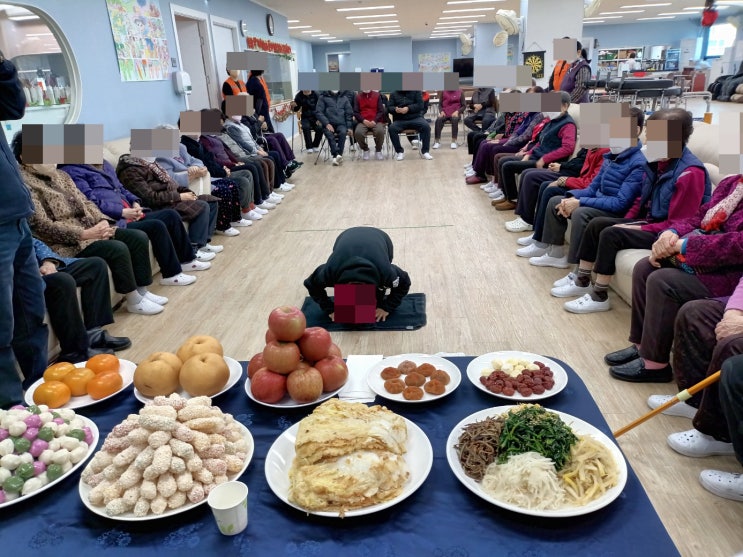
[442, 519]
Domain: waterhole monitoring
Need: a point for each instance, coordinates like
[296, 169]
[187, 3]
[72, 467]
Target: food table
[442, 518]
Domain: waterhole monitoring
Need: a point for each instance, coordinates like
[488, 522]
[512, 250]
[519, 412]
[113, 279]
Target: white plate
[91, 449]
[281, 455]
[577, 425]
[475, 367]
[236, 372]
[376, 383]
[84, 490]
[126, 369]
[289, 402]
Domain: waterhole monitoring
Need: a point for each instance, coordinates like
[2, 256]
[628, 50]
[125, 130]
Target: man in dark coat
[361, 255]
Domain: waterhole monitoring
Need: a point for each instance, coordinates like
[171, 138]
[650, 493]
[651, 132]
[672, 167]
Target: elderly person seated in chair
[483, 105]
[406, 109]
[336, 116]
[370, 114]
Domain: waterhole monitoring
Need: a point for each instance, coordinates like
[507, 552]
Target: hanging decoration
[281, 112]
[709, 14]
[264, 45]
[535, 60]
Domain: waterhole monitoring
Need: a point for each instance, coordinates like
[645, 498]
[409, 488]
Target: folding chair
[324, 149]
[370, 139]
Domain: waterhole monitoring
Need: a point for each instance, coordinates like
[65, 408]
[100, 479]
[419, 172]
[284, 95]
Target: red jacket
[591, 167]
[451, 102]
[368, 106]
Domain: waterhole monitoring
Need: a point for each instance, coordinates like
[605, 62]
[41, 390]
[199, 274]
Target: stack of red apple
[299, 360]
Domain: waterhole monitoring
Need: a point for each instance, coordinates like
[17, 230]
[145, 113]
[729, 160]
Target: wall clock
[243, 27]
[269, 24]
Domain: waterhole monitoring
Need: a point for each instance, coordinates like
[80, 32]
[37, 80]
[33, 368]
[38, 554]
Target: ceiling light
[395, 34]
[623, 12]
[23, 17]
[312, 31]
[646, 18]
[292, 21]
[474, 1]
[693, 9]
[594, 21]
[468, 10]
[369, 16]
[382, 27]
[675, 13]
[645, 5]
[461, 16]
[300, 27]
[336, 41]
[454, 24]
[603, 17]
[320, 35]
[392, 7]
[375, 22]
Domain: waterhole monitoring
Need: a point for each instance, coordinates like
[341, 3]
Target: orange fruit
[103, 362]
[57, 371]
[104, 384]
[77, 380]
[52, 393]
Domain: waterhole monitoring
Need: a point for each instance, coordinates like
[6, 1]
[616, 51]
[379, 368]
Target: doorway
[193, 43]
[226, 40]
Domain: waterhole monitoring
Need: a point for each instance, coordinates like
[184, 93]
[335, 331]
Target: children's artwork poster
[139, 37]
[434, 62]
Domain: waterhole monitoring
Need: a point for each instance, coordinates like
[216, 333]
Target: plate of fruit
[298, 365]
[67, 385]
[39, 447]
[515, 375]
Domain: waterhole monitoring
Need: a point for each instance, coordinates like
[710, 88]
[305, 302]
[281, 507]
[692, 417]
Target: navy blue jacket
[618, 184]
[665, 186]
[16, 197]
[549, 140]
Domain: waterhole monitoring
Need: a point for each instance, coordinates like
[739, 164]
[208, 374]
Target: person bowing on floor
[361, 255]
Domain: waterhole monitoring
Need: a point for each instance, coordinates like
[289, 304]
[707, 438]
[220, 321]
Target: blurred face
[663, 140]
[234, 74]
[623, 132]
[307, 93]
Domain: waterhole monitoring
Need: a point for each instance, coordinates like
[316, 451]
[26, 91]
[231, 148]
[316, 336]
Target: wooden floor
[481, 298]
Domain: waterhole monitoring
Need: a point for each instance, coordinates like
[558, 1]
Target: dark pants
[278, 176]
[246, 186]
[556, 225]
[698, 354]
[229, 203]
[336, 139]
[309, 126]
[602, 241]
[127, 255]
[261, 189]
[202, 227]
[484, 162]
[169, 239]
[731, 400]
[277, 141]
[485, 118]
[529, 187]
[418, 124]
[439, 126]
[657, 296]
[91, 275]
[509, 169]
[546, 192]
[23, 334]
[474, 139]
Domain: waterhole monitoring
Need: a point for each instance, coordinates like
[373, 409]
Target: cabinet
[613, 61]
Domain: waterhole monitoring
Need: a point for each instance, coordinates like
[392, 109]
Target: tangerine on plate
[77, 380]
[54, 394]
[104, 384]
[57, 371]
[102, 362]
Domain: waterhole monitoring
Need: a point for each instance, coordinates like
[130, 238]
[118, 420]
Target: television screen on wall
[464, 66]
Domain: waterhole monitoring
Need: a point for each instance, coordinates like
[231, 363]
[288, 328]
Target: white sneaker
[436, 145]
[428, 156]
[195, 265]
[468, 166]
[339, 158]
[241, 223]
[366, 156]
[549, 261]
[570, 290]
[567, 279]
[335, 162]
[181, 279]
[145, 307]
[259, 211]
[680, 409]
[723, 484]
[399, 156]
[273, 199]
[155, 299]
[526, 240]
[415, 143]
[267, 205]
[277, 194]
[488, 187]
[291, 186]
[454, 145]
[213, 249]
[697, 444]
[202, 254]
[586, 304]
[380, 156]
[253, 215]
[469, 173]
[285, 188]
[310, 150]
[497, 195]
[229, 232]
[518, 225]
[531, 251]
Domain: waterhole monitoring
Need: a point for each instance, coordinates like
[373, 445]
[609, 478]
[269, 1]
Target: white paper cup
[229, 504]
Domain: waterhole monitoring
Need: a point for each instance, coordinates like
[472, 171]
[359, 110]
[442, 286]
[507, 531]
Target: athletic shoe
[277, 194]
[310, 150]
[518, 225]
[267, 205]
[241, 222]
[415, 143]
[181, 279]
[586, 304]
[336, 162]
[260, 211]
[723, 484]
[229, 232]
[339, 158]
[697, 444]
[366, 155]
[145, 307]
[289, 185]
[283, 187]
[468, 165]
[380, 156]
[680, 409]
[549, 261]
[253, 215]
[428, 156]
[567, 279]
[195, 265]
[454, 145]
[569, 290]
[436, 145]
[531, 251]
[497, 195]
[155, 299]
[273, 199]
[526, 240]
[488, 187]
[213, 249]
[470, 172]
[399, 156]
[203, 254]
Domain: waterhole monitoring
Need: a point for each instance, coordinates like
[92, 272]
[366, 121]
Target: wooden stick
[684, 395]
